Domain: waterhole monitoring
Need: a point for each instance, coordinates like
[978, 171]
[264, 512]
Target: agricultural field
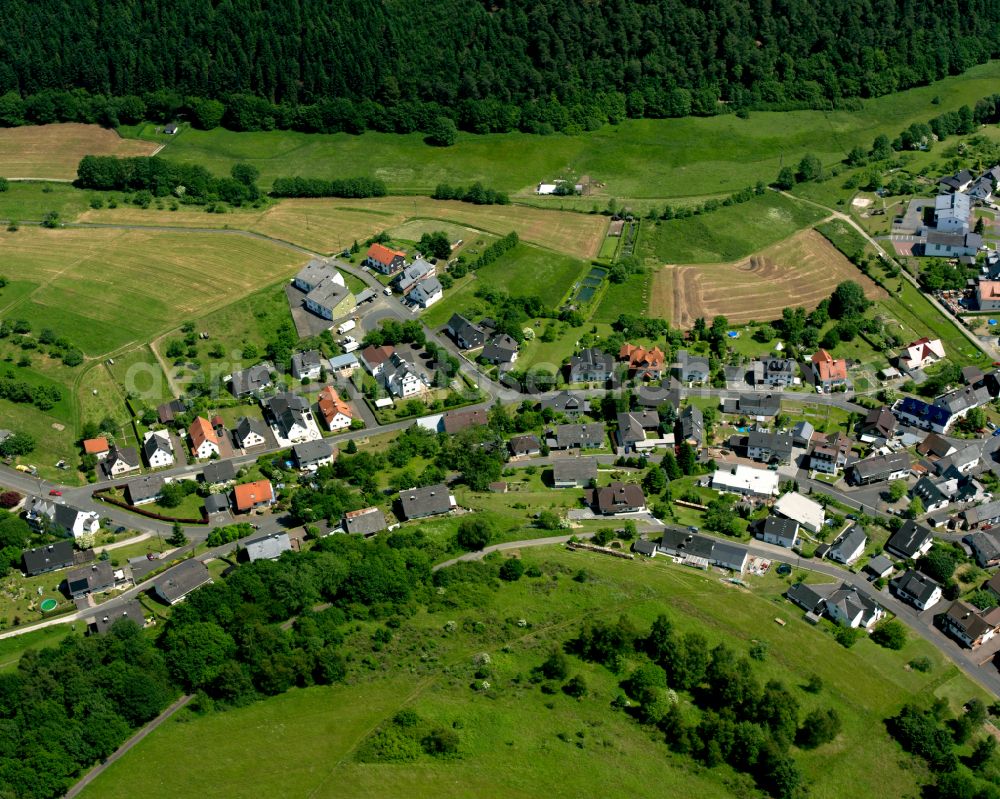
[53, 151]
[104, 289]
[669, 158]
[535, 744]
[523, 271]
[799, 271]
[30, 202]
[728, 234]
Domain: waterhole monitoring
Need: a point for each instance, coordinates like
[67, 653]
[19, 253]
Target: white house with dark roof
[426, 292]
[44, 514]
[419, 503]
[849, 545]
[467, 335]
[308, 364]
[157, 448]
[917, 589]
[121, 460]
[910, 541]
[250, 433]
[781, 531]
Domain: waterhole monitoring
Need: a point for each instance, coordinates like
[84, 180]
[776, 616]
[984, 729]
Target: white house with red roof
[922, 352]
[385, 260]
[829, 371]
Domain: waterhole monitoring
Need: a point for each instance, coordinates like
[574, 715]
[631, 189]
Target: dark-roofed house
[880, 566]
[366, 522]
[267, 547]
[307, 364]
[985, 545]
[51, 516]
[121, 460]
[701, 552]
[47, 558]
[643, 547]
[917, 589]
[691, 426]
[730, 556]
[878, 423]
[216, 503]
[467, 336]
[91, 579]
[639, 431]
[251, 433]
[924, 415]
[107, 617]
[769, 447]
[849, 545]
[157, 449]
[177, 582]
[810, 597]
[419, 503]
[218, 472]
[591, 366]
[759, 406]
[291, 413]
[456, 421]
[576, 436]
[525, 446]
[969, 625]
[566, 403]
[849, 607]
[895, 466]
[313, 454]
[652, 396]
[574, 472]
[910, 541]
[501, 350]
[777, 372]
[691, 368]
[776, 530]
[167, 412]
[616, 498]
[251, 381]
[144, 489]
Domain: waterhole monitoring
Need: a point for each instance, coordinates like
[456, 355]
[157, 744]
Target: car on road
[119, 529]
[55, 492]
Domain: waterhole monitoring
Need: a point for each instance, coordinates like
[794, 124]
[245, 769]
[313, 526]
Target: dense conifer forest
[490, 66]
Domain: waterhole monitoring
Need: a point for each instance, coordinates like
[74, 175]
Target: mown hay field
[53, 151]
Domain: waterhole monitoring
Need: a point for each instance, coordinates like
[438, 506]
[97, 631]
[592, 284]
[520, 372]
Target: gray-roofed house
[616, 498]
[343, 366]
[467, 335]
[413, 274]
[48, 515]
[419, 503]
[107, 617]
[849, 607]
[776, 372]
[691, 426]
[313, 454]
[251, 432]
[849, 545]
[691, 368]
[577, 436]
[307, 364]
[961, 460]
[267, 547]
[144, 489]
[917, 589]
[730, 556]
[643, 547]
[251, 381]
[366, 522]
[638, 431]
[768, 447]
[652, 396]
[759, 406]
[501, 350]
[157, 449]
[218, 472]
[426, 292]
[90, 579]
[50, 557]
[802, 434]
[291, 413]
[880, 566]
[177, 582]
[591, 366]
[695, 550]
[810, 597]
[780, 531]
[526, 446]
[574, 472]
[121, 460]
[216, 503]
[985, 545]
[894, 466]
[167, 412]
[910, 541]
[566, 403]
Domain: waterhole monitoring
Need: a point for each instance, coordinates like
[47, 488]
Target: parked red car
[55, 492]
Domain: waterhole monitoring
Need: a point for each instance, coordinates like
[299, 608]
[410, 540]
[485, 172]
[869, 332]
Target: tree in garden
[17, 444]
[654, 481]
[669, 465]
[8, 499]
[890, 634]
[474, 533]
[687, 458]
[897, 490]
[177, 537]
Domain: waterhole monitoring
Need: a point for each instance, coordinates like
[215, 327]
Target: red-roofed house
[829, 371]
[384, 260]
[642, 363]
[374, 358]
[250, 496]
[922, 352]
[204, 441]
[96, 446]
[336, 413]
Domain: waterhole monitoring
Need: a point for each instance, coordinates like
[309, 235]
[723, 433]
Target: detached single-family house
[313, 454]
[204, 441]
[691, 368]
[808, 513]
[401, 379]
[615, 499]
[308, 364]
[643, 364]
[639, 431]
[960, 181]
[366, 522]
[746, 480]
[250, 382]
[107, 617]
[910, 541]
[985, 545]
[775, 372]
[419, 503]
[96, 446]
[457, 421]
[176, 583]
[759, 406]
[413, 274]
[878, 423]
[251, 496]
[969, 625]
[336, 414]
[574, 472]
[90, 579]
[218, 472]
[690, 426]
[426, 292]
[985, 515]
[922, 352]
[501, 350]
[576, 436]
[591, 366]
[49, 516]
[849, 607]
[828, 371]
[566, 403]
[467, 335]
[146, 489]
[917, 589]
[526, 446]
[343, 366]
[157, 448]
[121, 460]
[384, 260]
[48, 558]
[167, 412]
[251, 433]
[267, 547]
[291, 414]
[830, 455]
[374, 358]
[849, 545]
[768, 447]
[781, 531]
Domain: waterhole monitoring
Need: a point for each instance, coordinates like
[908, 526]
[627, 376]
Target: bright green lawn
[509, 735]
[670, 158]
[11, 649]
[30, 202]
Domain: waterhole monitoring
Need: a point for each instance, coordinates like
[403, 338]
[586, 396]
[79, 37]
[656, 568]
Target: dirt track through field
[799, 271]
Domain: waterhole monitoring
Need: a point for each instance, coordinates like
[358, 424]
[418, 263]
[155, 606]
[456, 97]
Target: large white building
[746, 480]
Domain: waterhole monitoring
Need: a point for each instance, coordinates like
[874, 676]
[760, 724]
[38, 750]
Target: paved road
[95, 772]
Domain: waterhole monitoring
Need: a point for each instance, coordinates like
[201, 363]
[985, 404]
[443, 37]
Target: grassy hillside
[534, 744]
[670, 158]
